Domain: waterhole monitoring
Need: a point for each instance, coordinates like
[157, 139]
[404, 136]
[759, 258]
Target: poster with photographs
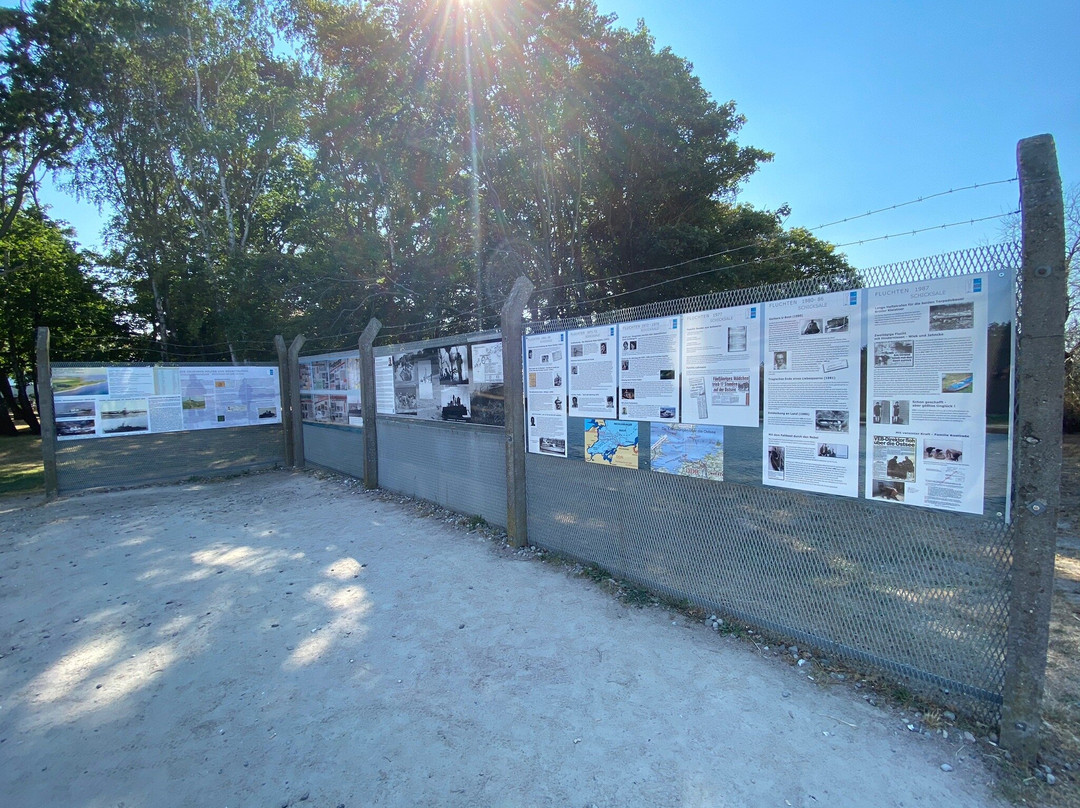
[593, 372]
[926, 393]
[433, 383]
[721, 356]
[330, 389]
[98, 402]
[486, 393]
[649, 370]
[545, 392]
[812, 376]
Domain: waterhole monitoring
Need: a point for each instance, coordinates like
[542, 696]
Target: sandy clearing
[251, 641]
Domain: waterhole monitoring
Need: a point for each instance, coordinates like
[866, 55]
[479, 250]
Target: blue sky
[867, 105]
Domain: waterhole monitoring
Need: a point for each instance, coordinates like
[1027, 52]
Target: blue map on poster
[692, 450]
[611, 442]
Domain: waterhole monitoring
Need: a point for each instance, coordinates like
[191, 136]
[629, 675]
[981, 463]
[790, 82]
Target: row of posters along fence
[693, 374]
[99, 402]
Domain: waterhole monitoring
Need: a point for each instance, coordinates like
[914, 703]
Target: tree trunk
[25, 407]
[7, 426]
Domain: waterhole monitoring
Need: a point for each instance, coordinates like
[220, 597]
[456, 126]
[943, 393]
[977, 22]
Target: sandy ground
[279, 639]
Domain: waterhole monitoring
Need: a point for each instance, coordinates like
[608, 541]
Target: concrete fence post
[1040, 377]
[367, 403]
[514, 391]
[295, 414]
[286, 399]
[46, 414]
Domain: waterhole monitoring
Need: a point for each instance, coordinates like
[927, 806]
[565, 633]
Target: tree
[46, 282]
[47, 69]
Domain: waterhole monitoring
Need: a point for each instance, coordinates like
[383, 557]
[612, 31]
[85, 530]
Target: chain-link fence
[918, 593]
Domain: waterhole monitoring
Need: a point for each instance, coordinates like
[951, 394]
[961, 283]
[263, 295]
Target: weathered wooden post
[367, 403]
[296, 417]
[47, 414]
[1040, 376]
[514, 391]
[286, 398]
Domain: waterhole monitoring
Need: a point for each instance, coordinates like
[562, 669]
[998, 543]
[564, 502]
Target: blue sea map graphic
[610, 437]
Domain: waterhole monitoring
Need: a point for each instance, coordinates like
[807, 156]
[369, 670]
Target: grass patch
[21, 469]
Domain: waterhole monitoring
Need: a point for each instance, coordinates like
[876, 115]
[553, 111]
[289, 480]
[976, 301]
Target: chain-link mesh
[918, 593]
[139, 459]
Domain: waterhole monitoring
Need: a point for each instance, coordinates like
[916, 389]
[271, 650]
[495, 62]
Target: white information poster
[649, 369]
[812, 373]
[384, 385]
[593, 375]
[926, 393]
[96, 402]
[545, 392]
[721, 356]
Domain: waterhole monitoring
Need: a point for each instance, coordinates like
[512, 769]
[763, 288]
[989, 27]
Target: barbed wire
[926, 229]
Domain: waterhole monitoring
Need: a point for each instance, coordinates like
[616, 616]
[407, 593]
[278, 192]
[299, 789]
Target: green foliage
[46, 282]
[304, 165]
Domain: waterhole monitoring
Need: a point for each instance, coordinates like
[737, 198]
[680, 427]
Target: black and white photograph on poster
[837, 450]
[952, 316]
[330, 408]
[667, 413]
[455, 404]
[74, 409]
[900, 414]
[779, 360]
[836, 325]
[487, 404]
[811, 327]
[121, 415]
[888, 490]
[453, 362]
[831, 420]
[881, 412]
[306, 378]
[555, 446]
[78, 428]
[894, 353]
[736, 339]
[943, 449]
[776, 463]
[263, 413]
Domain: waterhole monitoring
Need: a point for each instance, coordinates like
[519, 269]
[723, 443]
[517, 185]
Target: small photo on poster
[957, 382]
[124, 415]
[900, 414]
[780, 360]
[948, 451]
[888, 490]
[776, 462]
[837, 450]
[831, 420]
[894, 353]
[74, 409]
[80, 427]
[952, 316]
[836, 325]
[812, 326]
[736, 338]
[882, 411]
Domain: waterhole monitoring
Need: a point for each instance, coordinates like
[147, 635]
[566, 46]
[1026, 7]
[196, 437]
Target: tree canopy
[302, 165]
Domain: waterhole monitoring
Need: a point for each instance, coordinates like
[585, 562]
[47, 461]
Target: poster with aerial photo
[545, 393]
[99, 402]
[812, 377]
[721, 357]
[926, 393]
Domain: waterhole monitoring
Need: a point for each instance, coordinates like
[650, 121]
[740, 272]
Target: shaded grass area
[21, 469]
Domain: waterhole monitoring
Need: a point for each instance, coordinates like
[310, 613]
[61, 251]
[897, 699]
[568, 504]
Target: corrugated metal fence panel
[338, 448]
[459, 466]
[915, 592]
[167, 456]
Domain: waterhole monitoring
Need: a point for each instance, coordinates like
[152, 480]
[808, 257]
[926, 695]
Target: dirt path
[280, 639]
